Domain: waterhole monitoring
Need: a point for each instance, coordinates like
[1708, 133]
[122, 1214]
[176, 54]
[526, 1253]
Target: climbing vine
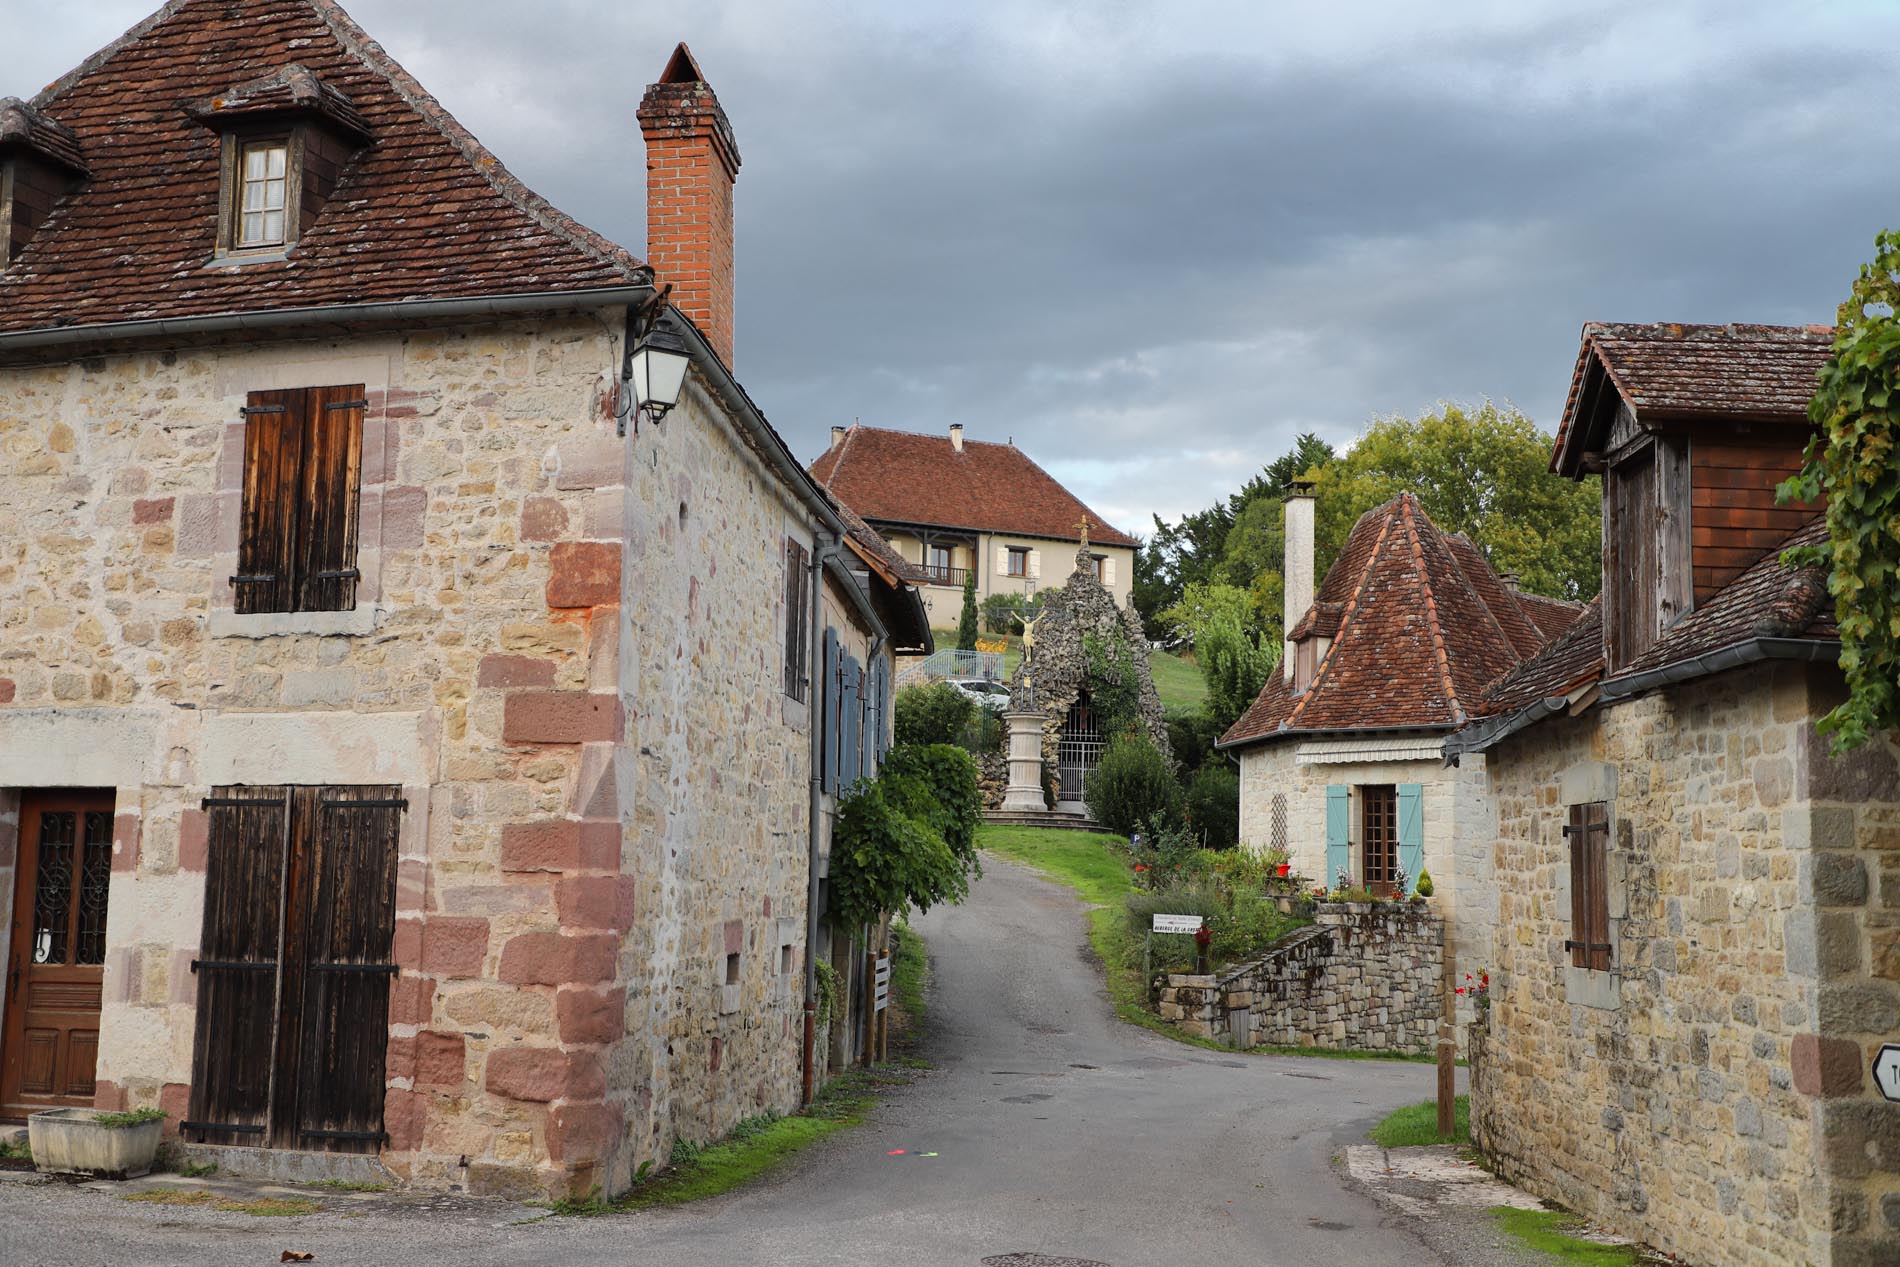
[1853, 461]
[906, 839]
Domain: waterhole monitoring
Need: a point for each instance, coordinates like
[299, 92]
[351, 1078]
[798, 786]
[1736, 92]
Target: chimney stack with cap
[837, 436]
[956, 436]
[692, 161]
[1297, 575]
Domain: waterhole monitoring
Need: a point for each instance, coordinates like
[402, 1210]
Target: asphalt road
[1049, 1128]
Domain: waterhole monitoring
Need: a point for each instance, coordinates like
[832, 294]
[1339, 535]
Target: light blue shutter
[828, 704]
[852, 727]
[874, 716]
[1412, 830]
[1338, 842]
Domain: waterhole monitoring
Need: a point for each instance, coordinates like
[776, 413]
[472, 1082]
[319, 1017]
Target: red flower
[1459, 990]
[1141, 866]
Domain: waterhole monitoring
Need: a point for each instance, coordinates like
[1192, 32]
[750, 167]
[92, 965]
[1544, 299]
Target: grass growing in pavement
[1177, 681]
[1417, 1124]
[1548, 1231]
[264, 1207]
[1097, 867]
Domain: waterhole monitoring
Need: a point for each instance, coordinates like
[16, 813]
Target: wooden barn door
[294, 971]
[57, 952]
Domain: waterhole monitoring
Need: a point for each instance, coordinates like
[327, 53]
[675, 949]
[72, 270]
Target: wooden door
[1379, 821]
[57, 952]
[294, 971]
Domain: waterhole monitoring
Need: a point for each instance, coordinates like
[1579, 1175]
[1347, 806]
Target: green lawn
[1417, 1124]
[1178, 682]
[1547, 1231]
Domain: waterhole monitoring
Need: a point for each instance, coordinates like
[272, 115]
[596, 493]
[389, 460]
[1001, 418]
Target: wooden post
[1447, 1079]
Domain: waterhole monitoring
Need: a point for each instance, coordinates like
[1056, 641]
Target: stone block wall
[1366, 976]
[1712, 1089]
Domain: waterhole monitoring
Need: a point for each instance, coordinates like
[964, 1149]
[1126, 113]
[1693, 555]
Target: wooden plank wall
[1735, 517]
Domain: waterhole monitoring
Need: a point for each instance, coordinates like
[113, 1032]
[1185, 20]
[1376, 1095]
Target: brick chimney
[1297, 574]
[692, 161]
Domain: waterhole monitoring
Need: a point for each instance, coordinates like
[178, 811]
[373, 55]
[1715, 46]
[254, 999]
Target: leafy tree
[1235, 664]
[1192, 733]
[1132, 784]
[1854, 461]
[966, 624]
[934, 714]
[1483, 472]
[1003, 613]
[1206, 602]
[906, 839]
[1211, 805]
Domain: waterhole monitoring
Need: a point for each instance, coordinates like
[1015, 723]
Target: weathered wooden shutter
[850, 712]
[237, 965]
[796, 649]
[828, 695]
[1589, 835]
[1411, 797]
[349, 837]
[273, 485]
[1338, 832]
[332, 477]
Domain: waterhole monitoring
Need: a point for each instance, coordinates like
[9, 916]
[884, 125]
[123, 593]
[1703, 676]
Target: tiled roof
[21, 126]
[1769, 600]
[874, 544]
[1734, 371]
[907, 477]
[423, 213]
[1572, 659]
[1423, 624]
[1551, 615]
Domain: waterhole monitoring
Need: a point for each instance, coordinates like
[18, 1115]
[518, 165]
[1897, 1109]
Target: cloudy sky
[1153, 242]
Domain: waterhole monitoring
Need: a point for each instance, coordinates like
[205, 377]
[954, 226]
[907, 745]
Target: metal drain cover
[1039, 1260]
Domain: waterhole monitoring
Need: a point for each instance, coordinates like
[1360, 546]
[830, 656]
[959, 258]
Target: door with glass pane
[57, 952]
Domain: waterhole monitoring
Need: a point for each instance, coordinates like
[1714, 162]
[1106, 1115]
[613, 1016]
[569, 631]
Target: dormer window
[264, 182]
[287, 139]
[39, 162]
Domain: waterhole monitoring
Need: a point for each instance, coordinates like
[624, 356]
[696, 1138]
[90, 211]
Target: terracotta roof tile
[1422, 625]
[21, 126]
[873, 543]
[1733, 371]
[425, 212]
[1551, 615]
[1573, 658]
[912, 478]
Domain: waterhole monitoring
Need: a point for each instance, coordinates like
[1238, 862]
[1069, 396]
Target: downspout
[822, 550]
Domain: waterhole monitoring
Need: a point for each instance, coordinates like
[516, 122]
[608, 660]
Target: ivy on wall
[1854, 462]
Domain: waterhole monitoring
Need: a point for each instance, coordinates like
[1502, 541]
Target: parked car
[991, 695]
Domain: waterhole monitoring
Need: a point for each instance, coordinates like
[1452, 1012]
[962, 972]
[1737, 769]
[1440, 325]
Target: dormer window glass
[264, 192]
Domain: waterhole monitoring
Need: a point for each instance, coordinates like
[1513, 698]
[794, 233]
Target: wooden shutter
[1411, 798]
[332, 477]
[850, 716]
[1035, 565]
[273, 482]
[1589, 835]
[1338, 832]
[828, 698]
[1108, 570]
[237, 965]
[348, 837]
[796, 650]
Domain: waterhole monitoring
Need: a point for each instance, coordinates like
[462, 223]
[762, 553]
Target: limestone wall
[1711, 1090]
[1365, 976]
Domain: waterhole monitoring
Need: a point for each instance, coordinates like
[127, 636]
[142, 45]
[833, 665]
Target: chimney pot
[837, 436]
[1297, 574]
[689, 206]
[956, 436]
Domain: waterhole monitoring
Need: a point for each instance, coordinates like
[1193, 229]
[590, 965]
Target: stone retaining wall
[1364, 977]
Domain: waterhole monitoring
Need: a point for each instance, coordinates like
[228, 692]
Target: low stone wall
[1364, 976]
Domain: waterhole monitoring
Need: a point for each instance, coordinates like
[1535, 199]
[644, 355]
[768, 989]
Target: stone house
[407, 746]
[956, 507]
[1340, 761]
[1700, 904]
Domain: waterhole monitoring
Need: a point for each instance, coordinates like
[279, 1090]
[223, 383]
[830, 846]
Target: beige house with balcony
[954, 507]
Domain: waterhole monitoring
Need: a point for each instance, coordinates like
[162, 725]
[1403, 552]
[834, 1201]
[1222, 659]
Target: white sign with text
[1177, 924]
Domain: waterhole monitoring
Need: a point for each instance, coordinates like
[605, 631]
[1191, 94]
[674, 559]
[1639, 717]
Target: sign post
[1887, 1070]
[1172, 925]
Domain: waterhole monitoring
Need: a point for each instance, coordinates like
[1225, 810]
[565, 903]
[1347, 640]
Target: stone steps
[1044, 818]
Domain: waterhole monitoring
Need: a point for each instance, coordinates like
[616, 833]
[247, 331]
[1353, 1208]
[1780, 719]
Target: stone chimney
[1297, 574]
[956, 436]
[692, 161]
[837, 436]
[1508, 580]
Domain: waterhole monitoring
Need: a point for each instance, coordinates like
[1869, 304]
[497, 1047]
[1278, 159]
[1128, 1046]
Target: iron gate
[1078, 749]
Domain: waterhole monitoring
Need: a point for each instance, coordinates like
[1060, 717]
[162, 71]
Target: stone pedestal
[1025, 763]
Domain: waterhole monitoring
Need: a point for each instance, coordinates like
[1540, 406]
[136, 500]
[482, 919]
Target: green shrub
[985, 732]
[906, 839]
[1191, 733]
[1003, 613]
[1424, 887]
[1185, 897]
[1132, 786]
[1211, 805]
[1247, 925]
[938, 713]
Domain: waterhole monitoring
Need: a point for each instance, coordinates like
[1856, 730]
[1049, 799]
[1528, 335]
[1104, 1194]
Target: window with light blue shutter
[828, 695]
[1338, 832]
[1411, 831]
[851, 723]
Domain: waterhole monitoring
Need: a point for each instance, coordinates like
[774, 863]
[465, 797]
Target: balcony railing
[937, 575]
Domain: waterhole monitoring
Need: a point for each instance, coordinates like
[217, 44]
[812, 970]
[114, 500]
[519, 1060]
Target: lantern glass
[658, 374]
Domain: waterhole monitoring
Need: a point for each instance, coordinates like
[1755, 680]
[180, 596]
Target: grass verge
[758, 1144]
[1096, 867]
[263, 1207]
[1548, 1232]
[1417, 1125]
[1178, 682]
